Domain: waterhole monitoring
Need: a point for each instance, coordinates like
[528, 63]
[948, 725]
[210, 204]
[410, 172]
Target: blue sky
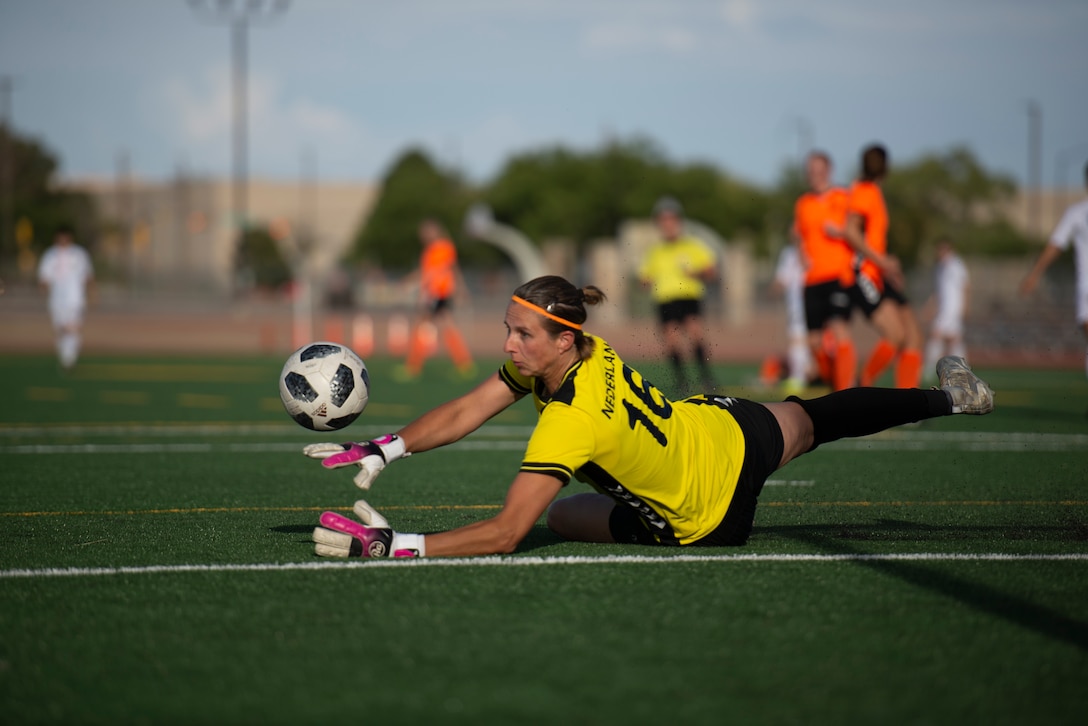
[743, 84]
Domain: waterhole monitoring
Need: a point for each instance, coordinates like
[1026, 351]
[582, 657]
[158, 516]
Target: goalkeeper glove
[339, 536]
[370, 456]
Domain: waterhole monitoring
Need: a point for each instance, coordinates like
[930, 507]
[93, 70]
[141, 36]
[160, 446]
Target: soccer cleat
[969, 393]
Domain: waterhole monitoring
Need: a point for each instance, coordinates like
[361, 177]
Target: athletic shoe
[401, 374]
[969, 393]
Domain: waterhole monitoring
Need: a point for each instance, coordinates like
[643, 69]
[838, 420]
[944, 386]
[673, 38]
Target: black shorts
[895, 293]
[763, 447]
[677, 311]
[824, 302]
[866, 296]
[434, 307]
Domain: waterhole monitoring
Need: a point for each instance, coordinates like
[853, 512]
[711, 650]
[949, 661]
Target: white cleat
[969, 393]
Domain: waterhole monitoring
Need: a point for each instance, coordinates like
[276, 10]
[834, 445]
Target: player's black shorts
[866, 296]
[438, 305]
[824, 302]
[677, 311]
[763, 447]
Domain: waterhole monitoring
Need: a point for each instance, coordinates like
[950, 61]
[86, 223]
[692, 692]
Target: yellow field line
[963, 503]
[456, 507]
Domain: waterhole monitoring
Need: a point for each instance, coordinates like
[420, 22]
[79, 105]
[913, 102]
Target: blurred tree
[260, 257]
[412, 190]
[557, 192]
[36, 197]
[950, 193]
[936, 194]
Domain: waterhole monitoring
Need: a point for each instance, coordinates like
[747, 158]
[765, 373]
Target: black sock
[677, 363]
[702, 359]
[863, 411]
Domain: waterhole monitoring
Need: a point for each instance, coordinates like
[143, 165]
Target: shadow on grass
[836, 539]
[892, 530]
[1053, 420]
[539, 536]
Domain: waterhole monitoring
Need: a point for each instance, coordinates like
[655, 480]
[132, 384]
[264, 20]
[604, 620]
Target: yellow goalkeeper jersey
[675, 463]
[674, 269]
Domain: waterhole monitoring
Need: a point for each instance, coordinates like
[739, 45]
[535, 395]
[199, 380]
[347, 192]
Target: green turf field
[155, 567]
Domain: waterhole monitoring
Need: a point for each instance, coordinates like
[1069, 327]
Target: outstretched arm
[855, 237]
[449, 422]
[456, 419]
[526, 500]
[1050, 253]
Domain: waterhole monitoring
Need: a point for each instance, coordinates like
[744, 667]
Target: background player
[789, 281]
[439, 279]
[819, 217]
[676, 269]
[951, 283]
[684, 473]
[1072, 227]
[879, 287]
[67, 275]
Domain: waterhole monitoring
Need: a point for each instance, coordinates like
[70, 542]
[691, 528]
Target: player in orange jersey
[819, 219]
[879, 286]
[438, 276]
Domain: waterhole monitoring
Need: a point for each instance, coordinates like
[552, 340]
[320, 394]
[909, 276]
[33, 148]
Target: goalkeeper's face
[530, 346]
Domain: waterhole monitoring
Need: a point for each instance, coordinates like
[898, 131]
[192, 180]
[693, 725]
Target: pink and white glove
[370, 456]
[339, 536]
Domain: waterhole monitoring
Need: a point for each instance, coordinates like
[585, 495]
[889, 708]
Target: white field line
[508, 561]
[903, 441]
[198, 448]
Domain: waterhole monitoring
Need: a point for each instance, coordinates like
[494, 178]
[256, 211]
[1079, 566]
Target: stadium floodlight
[239, 15]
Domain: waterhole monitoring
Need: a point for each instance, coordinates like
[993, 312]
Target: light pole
[239, 15]
[1035, 146]
[7, 166]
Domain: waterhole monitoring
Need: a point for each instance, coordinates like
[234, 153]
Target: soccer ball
[324, 386]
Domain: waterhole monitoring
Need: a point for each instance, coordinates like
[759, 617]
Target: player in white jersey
[951, 284]
[789, 279]
[1072, 228]
[67, 275]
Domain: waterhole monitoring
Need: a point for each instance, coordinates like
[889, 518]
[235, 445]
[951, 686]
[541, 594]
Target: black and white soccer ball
[324, 386]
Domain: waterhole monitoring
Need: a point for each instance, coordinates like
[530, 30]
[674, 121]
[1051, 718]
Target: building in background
[180, 234]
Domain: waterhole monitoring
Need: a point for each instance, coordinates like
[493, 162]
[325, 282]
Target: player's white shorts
[947, 325]
[66, 316]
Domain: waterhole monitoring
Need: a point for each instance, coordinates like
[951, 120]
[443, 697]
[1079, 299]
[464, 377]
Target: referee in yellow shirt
[676, 270]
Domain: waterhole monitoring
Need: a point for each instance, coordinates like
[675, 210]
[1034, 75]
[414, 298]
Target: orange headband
[545, 313]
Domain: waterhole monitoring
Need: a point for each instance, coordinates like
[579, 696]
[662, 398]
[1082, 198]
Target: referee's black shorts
[677, 311]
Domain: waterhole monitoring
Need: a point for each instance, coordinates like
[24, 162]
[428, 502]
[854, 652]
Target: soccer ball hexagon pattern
[324, 386]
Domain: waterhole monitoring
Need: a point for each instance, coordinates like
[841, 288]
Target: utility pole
[7, 168]
[1035, 149]
[239, 16]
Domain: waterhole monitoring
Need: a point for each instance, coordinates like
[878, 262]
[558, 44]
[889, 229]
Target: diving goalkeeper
[677, 473]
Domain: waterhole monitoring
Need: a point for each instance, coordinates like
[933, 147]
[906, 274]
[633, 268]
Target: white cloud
[633, 36]
[739, 14]
[202, 111]
[279, 127]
